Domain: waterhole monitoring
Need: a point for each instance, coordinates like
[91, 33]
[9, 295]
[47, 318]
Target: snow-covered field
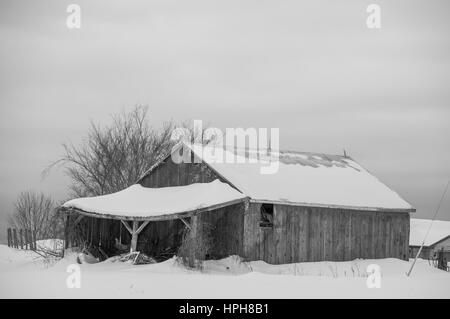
[24, 275]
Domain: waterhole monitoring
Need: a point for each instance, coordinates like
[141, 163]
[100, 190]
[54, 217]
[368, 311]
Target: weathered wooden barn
[312, 207]
[436, 242]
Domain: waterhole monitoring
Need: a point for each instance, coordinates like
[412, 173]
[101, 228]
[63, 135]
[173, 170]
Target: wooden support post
[127, 226]
[134, 231]
[193, 234]
[72, 230]
[134, 236]
[21, 238]
[185, 223]
[66, 233]
[15, 238]
[9, 238]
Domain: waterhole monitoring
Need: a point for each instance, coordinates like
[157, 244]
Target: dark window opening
[266, 216]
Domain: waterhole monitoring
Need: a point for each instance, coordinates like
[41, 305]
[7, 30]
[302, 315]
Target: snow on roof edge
[409, 209]
[138, 202]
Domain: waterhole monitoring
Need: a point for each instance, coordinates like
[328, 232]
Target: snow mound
[233, 265]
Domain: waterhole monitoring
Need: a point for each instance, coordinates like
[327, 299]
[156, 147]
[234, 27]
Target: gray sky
[311, 68]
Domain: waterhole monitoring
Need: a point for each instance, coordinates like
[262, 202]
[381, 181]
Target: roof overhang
[162, 217]
[140, 203]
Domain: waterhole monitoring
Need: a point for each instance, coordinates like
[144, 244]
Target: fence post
[21, 238]
[15, 238]
[9, 237]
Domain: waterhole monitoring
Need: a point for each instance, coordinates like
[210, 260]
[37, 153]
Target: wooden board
[302, 234]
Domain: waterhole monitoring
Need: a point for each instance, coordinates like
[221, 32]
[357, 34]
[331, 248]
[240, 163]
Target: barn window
[266, 215]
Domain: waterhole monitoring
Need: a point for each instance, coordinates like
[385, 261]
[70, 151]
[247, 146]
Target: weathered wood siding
[170, 173]
[301, 234]
[225, 228]
[159, 236]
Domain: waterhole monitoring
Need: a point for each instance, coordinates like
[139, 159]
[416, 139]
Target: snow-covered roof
[308, 179]
[137, 201]
[439, 230]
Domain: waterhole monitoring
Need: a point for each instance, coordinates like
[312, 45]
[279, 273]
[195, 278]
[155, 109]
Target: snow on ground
[22, 275]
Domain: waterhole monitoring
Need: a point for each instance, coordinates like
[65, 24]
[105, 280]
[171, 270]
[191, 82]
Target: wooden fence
[22, 238]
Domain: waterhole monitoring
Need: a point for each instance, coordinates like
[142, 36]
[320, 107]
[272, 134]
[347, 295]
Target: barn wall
[225, 229]
[169, 173]
[301, 234]
[161, 237]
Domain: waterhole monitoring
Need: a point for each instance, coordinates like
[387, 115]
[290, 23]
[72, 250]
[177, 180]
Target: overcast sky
[311, 68]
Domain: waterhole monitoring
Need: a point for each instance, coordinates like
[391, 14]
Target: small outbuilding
[437, 242]
[312, 207]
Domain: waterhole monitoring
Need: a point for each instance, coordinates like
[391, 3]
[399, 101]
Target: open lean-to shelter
[315, 207]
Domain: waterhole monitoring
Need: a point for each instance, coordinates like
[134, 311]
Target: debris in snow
[121, 247]
[135, 258]
[86, 258]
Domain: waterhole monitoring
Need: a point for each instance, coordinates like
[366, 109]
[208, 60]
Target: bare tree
[114, 157]
[35, 211]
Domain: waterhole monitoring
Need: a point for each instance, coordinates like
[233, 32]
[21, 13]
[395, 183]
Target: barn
[315, 207]
[436, 242]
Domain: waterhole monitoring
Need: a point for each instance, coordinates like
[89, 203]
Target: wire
[437, 210]
[429, 228]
